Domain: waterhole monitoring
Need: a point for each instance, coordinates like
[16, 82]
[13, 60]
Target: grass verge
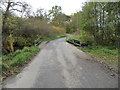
[12, 63]
[108, 54]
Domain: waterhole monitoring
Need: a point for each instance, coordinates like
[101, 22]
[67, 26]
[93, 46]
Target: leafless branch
[16, 10]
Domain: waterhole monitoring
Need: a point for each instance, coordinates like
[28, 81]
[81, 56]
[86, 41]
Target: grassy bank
[12, 63]
[107, 54]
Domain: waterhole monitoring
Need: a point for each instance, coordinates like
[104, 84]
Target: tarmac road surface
[61, 65]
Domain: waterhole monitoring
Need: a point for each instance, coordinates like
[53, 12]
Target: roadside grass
[12, 63]
[108, 54]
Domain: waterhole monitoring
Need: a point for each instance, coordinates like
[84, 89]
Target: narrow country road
[61, 65]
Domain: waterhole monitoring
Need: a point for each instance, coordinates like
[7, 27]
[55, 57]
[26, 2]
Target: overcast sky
[68, 6]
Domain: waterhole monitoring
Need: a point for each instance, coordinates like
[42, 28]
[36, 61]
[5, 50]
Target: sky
[68, 6]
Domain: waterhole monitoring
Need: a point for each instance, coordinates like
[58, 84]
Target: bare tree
[8, 6]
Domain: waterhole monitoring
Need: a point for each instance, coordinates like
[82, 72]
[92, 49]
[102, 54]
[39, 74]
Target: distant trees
[40, 14]
[55, 12]
[58, 18]
[73, 25]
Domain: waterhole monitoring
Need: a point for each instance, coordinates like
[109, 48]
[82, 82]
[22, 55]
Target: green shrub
[86, 37]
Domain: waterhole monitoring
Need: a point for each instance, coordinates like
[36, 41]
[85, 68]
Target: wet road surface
[61, 65]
